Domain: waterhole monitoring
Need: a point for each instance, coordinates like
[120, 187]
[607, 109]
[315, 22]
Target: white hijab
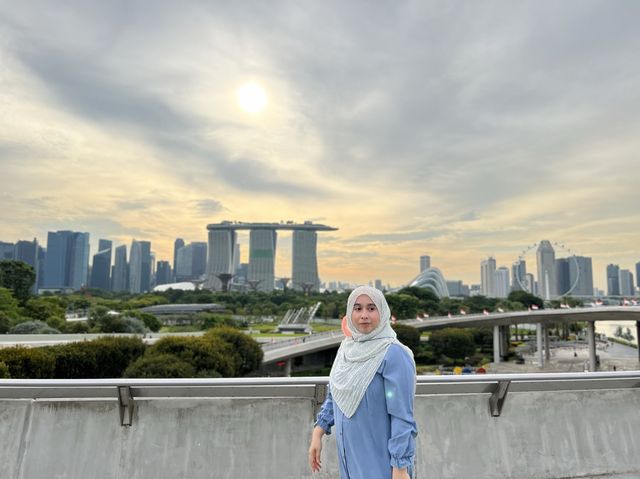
[360, 356]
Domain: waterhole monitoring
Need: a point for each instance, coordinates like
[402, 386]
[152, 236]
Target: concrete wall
[539, 435]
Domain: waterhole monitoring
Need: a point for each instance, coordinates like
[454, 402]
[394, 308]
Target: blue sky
[458, 129]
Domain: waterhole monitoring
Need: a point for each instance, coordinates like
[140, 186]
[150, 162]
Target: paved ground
[575, 359]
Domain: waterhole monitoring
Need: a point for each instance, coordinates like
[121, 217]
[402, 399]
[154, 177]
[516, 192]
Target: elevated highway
[285, 350]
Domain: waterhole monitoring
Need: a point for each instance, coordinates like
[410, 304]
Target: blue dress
[381, 433]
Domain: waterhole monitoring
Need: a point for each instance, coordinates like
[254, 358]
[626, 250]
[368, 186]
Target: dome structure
[433, 279]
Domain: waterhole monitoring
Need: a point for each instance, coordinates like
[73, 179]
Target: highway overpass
[285, 350]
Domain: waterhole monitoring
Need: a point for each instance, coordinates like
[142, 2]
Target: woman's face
[365, 315]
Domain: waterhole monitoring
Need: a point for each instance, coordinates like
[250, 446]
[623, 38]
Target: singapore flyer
[556, 266]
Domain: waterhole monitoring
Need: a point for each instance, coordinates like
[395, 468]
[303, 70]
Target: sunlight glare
[252, 98]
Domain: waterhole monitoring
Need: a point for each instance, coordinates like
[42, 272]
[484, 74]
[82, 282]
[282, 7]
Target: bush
[209, 357]
[113, 355]
[75, 327]
[160, 366]
[4, 371]
[246, 352]
[100, 358]
[33, 327]
[452, 343]
[408, 336]
[28, 363]
[5, 322]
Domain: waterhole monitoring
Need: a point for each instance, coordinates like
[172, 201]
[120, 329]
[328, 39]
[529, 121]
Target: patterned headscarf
[360, 355]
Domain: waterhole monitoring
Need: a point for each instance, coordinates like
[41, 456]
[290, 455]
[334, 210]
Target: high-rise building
[638, 274]
[546, 257]
[67, 260]
[425, 263]
[304, 260]
[378, 284]
[140, 267]
[563, 277]
[627, 287]
[581, 271]
[177, 244]
[262, 253]
[613, 280]
[222, 246]
[6, 250]
[163, 273]
[198, 259]
[518, 273]
[42, 254]
[184, 263]
[530, 284]
[120, 274]
[27, 252]
[457, 288]
[101, 266]
[502, 285]
[488, 277]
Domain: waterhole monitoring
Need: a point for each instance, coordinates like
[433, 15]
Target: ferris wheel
[531, 251]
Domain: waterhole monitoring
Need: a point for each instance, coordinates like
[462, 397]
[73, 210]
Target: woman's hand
[400, 473]
[316, 448]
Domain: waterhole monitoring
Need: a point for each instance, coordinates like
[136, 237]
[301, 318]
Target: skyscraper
[6, 250]
[425, 263]
[177, 244]
[627, 287]
[120, 275]
[583, 274]
[613, 280]
[140, 267]
[101, 266]
[546, 257]
[163, 273]
[304, 260]
[518, 273]
[222, 246]
[488, 277]
[262, 252]
[563, 279]
[27, 252]
[502, 282]
[67, 260]
[198, 259]
[638, 274]
[184, 263]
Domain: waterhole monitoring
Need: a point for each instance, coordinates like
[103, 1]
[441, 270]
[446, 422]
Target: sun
[252, 98]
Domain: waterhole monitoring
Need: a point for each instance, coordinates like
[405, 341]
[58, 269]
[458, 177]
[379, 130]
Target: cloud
[208, 207]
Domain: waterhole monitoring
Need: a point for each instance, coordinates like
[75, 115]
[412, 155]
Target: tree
[19, 277]
[408, 336]
[9, 308]
[526, 298]
[46, 309]
[246, 351]
[403, 306]
[453, 343]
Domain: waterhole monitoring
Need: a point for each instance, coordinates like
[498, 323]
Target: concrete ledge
[562, 426]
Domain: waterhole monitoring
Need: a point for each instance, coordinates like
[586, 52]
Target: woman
[371, 392]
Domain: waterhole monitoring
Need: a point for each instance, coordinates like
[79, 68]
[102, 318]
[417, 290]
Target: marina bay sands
[224, 254]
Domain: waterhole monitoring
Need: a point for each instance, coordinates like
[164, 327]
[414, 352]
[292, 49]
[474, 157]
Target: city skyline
[460, 131]
[194, 264]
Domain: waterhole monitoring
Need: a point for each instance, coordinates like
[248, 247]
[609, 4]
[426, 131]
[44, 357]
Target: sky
[457, 129]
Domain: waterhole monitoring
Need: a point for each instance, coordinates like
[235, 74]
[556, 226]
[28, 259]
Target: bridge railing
[525, 426]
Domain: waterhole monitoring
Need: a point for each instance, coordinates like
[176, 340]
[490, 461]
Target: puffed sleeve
[325, 416]
[399, 375]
